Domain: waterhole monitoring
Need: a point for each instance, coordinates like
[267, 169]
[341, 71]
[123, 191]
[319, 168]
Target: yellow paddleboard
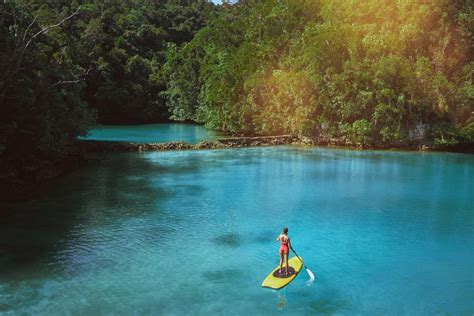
[276, 280]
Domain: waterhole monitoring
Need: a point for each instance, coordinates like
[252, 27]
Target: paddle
[310, 273]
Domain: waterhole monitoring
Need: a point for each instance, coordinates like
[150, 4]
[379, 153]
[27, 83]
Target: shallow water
[152, 133]
[193, 232]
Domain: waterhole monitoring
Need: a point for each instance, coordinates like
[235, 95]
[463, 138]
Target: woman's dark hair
[285, 230]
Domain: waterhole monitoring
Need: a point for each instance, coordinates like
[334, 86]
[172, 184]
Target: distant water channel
[193, 232]
[152, 133]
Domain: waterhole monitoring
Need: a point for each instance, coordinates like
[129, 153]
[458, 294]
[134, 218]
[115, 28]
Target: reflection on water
[174, 232]
[281, 299]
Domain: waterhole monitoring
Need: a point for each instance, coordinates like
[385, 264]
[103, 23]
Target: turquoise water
[193, 232]
[152, 133]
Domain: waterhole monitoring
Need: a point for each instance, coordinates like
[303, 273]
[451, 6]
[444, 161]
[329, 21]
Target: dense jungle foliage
[367, 72]
[65, 65]
[370, 72]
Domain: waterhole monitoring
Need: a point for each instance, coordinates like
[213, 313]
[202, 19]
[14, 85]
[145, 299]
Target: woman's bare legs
[286, 259]
[281, 261]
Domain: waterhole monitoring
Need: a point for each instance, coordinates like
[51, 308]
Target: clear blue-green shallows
[152, 133]
[193, 232]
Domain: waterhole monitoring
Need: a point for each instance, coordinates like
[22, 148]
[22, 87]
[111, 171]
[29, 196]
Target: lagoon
[193, 232]
[152, 133]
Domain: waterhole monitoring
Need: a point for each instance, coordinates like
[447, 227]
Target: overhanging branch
[46, 29]
[77, 79]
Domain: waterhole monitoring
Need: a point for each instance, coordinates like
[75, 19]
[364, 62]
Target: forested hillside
[375, 72]
[117, 47]
[65, 65]
[369, 72]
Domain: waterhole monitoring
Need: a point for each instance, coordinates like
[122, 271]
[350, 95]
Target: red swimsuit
[284, 246]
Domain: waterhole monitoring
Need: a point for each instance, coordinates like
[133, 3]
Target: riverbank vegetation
[366, 73]
[370, 72]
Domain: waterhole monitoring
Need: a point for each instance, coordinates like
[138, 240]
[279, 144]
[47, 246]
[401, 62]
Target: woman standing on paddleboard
[284, 249]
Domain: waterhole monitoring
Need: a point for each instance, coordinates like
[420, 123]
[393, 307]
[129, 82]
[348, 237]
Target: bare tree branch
[66, 82]
[20, 49]
[44, 30]
[28, 28]
[78, 79]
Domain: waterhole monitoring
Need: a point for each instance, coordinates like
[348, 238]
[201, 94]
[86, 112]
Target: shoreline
[95, 146]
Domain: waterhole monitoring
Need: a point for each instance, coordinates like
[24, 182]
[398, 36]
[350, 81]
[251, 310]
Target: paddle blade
[311, 276]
